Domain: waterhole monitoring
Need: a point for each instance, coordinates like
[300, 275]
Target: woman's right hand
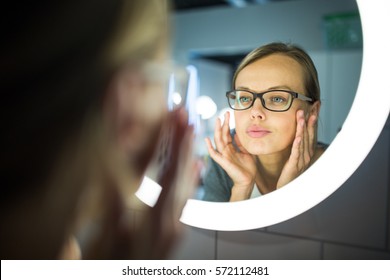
[140, 231]
[238, 163]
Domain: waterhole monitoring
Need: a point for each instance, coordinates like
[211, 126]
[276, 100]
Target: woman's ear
[315, 108]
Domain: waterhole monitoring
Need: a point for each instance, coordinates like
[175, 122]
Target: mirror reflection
[265, 113]
[276, 103]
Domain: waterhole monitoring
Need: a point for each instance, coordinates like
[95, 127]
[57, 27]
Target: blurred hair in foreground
[74, 151]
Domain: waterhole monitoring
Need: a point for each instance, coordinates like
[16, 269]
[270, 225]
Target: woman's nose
[258, 110]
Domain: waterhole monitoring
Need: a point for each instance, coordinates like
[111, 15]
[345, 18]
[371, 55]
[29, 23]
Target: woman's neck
[269, 168]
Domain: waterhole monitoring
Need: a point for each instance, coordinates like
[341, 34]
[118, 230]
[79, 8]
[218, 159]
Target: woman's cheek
[153, 107]
[293, 131]
[240, 127]
[288, 130]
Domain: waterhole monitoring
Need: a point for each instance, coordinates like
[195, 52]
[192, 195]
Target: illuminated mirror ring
[360, 131]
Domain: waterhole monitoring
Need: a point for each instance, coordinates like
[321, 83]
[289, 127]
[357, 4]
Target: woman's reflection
[276, 103]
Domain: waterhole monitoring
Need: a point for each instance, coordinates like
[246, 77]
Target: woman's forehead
[270, 72]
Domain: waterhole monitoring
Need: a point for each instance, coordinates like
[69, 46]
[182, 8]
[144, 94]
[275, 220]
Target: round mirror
[348, 150]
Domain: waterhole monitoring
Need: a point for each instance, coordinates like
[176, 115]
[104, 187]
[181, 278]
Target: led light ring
[370, 110]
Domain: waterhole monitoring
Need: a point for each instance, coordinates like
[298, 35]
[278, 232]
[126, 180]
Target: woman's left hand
[302, 151]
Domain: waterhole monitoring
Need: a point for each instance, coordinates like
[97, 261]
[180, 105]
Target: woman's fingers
[302, 150]
[210, 147]
[312, 132]
[178, 181]
[306, 144]
[310, 138]
[303, 143]
[296, 151]
[300, 122]
[300, 133]
[222, 136]
[226, 137]
[218, 135]
[216, 156]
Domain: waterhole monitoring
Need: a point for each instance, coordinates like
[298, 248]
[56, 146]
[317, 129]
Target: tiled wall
[353, 223]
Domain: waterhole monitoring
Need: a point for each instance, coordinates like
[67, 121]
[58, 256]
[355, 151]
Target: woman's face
[139, 103]
[260, 131]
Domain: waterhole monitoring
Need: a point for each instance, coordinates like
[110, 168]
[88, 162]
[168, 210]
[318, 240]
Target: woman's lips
[257, 132]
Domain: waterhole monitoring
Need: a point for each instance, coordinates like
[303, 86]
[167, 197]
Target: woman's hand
[150, 233]
[238, 164]
[178, 177]
[302, 151]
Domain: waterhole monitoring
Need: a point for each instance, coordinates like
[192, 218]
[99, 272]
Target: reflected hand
[238, 164]
[302, 151]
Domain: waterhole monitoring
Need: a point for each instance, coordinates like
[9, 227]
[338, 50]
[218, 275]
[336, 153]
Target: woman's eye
[278, 99]
[245, 99]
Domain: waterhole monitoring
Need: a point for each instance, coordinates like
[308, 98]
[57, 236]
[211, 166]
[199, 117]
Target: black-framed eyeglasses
[276, 100]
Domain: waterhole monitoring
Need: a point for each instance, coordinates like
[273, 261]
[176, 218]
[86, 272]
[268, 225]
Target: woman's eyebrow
[270, 88]
[244, 88]
[280, 87]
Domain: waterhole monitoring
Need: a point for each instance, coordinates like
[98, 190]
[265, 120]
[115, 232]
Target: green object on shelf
[343, 31]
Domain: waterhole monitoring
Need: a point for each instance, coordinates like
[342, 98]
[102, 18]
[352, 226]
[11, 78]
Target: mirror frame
[370, 114]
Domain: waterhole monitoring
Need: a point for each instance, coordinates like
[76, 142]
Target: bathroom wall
[231, 31]
[353, 223]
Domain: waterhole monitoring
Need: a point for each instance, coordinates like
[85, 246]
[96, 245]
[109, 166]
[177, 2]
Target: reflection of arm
[217, 184]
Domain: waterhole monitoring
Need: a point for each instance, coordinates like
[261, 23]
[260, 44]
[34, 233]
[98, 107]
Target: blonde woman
[276, 103]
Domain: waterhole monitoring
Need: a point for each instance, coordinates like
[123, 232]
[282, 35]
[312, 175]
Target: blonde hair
[312, 86]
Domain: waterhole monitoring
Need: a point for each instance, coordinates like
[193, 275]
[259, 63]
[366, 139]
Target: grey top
[217, 183]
